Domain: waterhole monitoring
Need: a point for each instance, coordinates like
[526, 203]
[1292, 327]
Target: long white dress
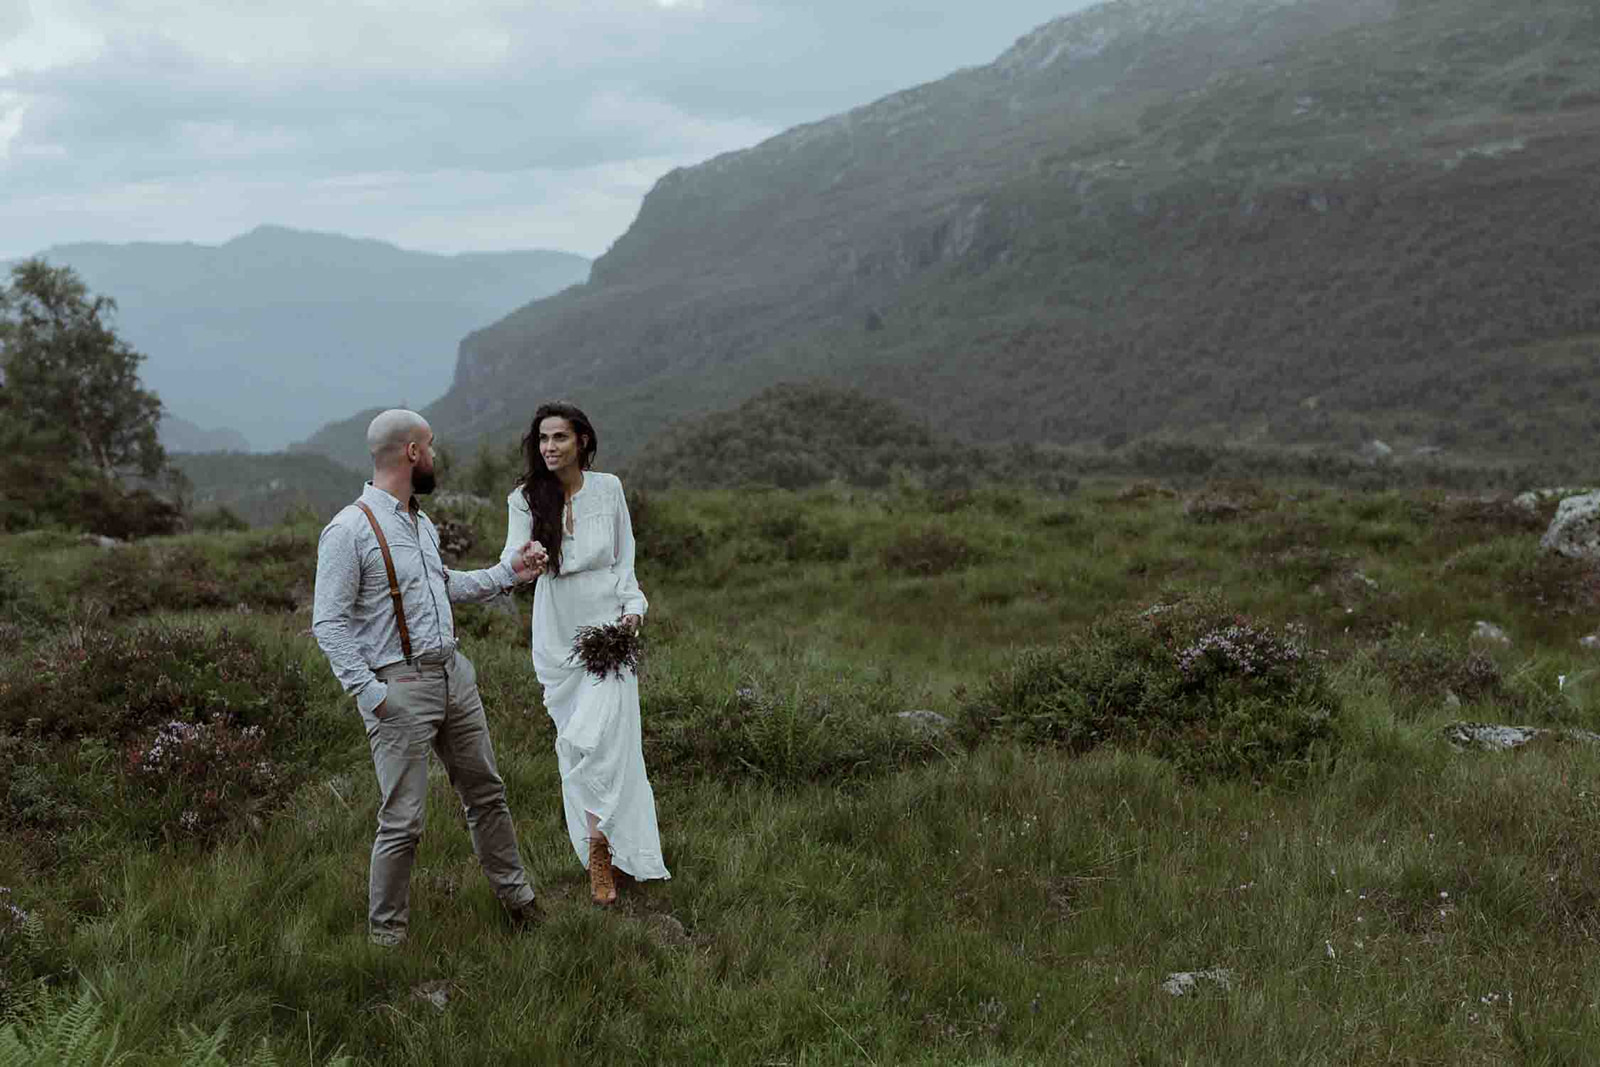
[599, 746]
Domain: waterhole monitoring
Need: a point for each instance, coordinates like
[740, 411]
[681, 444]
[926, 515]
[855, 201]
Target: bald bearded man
[382, 616]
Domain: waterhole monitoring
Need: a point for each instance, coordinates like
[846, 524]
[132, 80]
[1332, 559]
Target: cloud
[12, 110]
[139, 118]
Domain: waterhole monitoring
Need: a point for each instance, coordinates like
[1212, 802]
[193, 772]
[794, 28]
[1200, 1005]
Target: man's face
[421, 453]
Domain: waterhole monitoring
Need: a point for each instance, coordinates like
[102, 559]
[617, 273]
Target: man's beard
[422, 481]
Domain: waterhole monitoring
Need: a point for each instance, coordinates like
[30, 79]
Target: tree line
[78, 426]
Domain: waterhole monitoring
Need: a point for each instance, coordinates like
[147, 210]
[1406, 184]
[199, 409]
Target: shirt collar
[384, 499]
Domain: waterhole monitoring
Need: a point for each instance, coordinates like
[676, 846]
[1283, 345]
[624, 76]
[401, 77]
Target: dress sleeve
[519, 525]
[633, 599]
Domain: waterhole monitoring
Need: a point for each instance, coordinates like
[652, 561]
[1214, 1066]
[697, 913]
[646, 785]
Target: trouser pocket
[403, 684]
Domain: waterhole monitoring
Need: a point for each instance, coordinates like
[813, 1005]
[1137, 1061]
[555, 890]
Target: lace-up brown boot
[602, 884]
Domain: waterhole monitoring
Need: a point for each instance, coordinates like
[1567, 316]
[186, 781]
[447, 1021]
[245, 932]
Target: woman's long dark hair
[541, 489]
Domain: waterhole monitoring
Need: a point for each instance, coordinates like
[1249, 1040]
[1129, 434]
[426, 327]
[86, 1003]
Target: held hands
[529, 562]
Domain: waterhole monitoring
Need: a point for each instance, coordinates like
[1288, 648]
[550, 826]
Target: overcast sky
[443, 125]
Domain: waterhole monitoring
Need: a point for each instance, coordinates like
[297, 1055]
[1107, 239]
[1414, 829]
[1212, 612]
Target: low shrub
[218, 519]
[928, 553]
[1557, 584]
[783, 737]
[1425, 668]
[20, 605]
[1492, 515]
[203, 776]
[995, 500]
[1224, 500]
[1170, 456]
[664, 539]
[1218, 694]
[283, 545]
[797, 538]
[269, 570]
[498, 622]
[140, 579]
[128, 515]
[110, 684]
[157, 730]
[456, 539]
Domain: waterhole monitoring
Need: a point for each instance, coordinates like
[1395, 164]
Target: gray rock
[668, 932]
[1488, 631]
[1575, 531]
[1591, 642]
[1496, 738]
[930, 720]
[436, 992]
[462, 501]
[1182, 983]
[1376, 451]
[1530, 500]
[1489, 736]
[102, 540]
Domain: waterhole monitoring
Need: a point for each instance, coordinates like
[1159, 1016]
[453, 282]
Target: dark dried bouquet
[608, 650]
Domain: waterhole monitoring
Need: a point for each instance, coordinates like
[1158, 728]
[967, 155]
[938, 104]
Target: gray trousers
[433, 704]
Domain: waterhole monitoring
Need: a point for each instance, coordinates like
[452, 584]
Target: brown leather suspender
[394, 583]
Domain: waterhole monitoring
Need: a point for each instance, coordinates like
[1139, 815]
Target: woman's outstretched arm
[519, 525]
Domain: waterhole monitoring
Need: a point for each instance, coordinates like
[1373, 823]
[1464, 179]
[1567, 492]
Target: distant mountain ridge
[1255, 220]
[277, 331]
[181, 435]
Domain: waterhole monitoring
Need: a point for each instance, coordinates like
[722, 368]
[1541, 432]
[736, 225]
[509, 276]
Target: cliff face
[1154, 215]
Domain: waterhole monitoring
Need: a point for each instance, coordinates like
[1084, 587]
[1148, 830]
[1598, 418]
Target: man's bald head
[390, 433]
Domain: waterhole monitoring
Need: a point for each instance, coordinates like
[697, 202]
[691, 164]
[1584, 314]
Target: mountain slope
[181, 435]
[1263, 220]
[262, 488]
[278, 331]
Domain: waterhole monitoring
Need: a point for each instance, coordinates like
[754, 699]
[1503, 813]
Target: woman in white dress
[581, 519]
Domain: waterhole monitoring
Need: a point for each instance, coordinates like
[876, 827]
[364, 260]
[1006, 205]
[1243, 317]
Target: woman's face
[558, 444]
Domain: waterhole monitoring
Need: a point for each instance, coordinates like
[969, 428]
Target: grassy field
[848, 887]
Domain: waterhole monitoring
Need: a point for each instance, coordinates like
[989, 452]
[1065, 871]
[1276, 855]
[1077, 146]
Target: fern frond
[22, 1003]
[205, 1050]
[263, 1056]
[13, 1053]
[70, 1037]
[33, 932]
[76, 1033]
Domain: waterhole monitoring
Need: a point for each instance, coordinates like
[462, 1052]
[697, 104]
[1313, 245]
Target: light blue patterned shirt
[353, 615]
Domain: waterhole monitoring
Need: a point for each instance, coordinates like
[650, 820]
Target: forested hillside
[265, 489]
[1245, 221]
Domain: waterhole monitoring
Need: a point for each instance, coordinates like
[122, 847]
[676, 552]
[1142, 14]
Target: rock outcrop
[1575, 531]
[1498, 738]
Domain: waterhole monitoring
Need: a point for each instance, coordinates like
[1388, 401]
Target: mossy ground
[848, 888]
